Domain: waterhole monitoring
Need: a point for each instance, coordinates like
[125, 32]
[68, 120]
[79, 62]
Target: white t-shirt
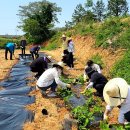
[96, 67]
[48, 77]
[125, 107]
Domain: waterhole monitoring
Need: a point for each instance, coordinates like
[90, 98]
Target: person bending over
[96, 80]
[116, 93]
[50, 79]
[39, 65]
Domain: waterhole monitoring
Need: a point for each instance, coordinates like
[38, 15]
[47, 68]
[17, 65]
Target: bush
[121, 68]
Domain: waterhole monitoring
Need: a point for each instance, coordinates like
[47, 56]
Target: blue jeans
[52, 86]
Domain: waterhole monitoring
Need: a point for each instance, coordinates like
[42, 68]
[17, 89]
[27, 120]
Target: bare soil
[84, 50]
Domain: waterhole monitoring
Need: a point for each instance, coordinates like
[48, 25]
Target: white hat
[115, 91]
[61, 64]
[49, 57]
[63, 35]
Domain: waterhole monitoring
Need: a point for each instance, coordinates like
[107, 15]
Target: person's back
[39, 65]
[39, 62]
[98, 78]
[10, 45]
[99, 81]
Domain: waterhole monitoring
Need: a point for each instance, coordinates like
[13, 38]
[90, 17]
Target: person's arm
[107, 111]
[90, 84]
[58, 81]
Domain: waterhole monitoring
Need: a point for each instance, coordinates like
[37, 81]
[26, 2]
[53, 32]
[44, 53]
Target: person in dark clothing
[10, 47]
[23, 44]
[34, 51]
[39, 65]
[65, 58]
[71, 51]
[97, 80]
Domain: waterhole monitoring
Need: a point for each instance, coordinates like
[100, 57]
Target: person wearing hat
[64, 44]
[96, 80]
[10, 47]
[50, 79]
[116, 93]
[39, 65]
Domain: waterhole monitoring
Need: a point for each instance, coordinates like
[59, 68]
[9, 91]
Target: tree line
[38, 18]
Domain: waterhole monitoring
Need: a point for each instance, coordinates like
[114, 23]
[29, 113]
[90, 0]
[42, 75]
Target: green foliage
[109, 29]
[78, 14]
[38, 20]
[85, 114]
[121, 68]
[97, 59]
[99, 10]
[117, 7]
[104, 125]
[3, 41]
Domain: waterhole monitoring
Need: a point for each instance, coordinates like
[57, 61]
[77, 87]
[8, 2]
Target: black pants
[6, 52]
[127, 116]
[34, 54]
[71, 60]
[38, 69]
[23, 51]
[99, 88]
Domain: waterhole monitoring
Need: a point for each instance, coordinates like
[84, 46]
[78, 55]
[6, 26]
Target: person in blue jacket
[10, 47]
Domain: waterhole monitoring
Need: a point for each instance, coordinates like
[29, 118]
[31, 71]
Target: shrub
[121, 68]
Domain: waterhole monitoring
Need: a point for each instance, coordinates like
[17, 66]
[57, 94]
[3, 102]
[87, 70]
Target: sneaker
[52, 94]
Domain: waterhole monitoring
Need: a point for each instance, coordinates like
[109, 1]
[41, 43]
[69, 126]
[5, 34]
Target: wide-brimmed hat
[115, 91]
[89, 70]
[63, 35]
[61, 64]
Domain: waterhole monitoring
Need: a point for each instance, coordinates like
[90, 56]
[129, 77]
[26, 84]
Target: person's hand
[105, 117]
[68, 85]
[83, 91]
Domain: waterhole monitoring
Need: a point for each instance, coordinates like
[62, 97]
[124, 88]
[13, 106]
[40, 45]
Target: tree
[117, 7]
[99, 10]
[89, 3]
[78, 14]
[37, 19]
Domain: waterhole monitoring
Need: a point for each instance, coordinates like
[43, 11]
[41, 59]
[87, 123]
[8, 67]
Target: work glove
[85, 77]
[105, 117]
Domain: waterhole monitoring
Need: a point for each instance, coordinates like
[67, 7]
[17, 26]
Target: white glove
[85, 77]
[105, 117]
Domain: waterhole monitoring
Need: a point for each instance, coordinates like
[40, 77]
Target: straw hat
[63, 35]
[61, 64]
[115, 91]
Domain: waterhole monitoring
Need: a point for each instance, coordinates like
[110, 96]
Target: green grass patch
[121, 68]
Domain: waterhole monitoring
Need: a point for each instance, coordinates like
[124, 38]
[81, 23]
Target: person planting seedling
[116, 93]
[50, 79]
[96, 80]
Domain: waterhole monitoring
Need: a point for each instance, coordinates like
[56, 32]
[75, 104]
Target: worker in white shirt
[50, 79]
[116, 93]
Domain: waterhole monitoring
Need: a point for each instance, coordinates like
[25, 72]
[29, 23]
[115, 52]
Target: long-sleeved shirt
[23, 43]
[11, 46]
[125, 107]
[48, 77]
[39, 63]
[71, 47]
